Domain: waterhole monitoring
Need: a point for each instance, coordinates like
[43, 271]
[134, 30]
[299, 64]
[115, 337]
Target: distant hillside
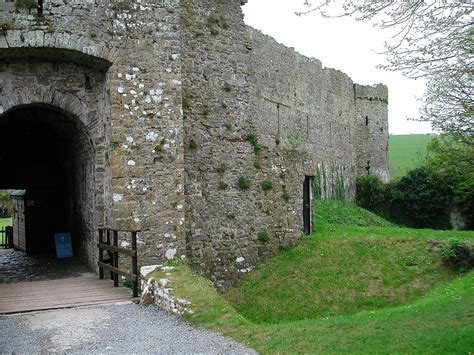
[404, 152]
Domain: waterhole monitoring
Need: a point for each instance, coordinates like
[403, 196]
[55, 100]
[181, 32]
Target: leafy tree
[455, 163]
[370, 193]
[420, 199]
[433, 39]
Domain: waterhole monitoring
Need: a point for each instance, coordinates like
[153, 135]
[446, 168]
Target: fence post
[101, 254]
[115, 257]
[9, 231]
[135, 264]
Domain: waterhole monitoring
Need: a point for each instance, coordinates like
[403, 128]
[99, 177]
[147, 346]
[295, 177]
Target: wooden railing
[6, 237]
[108, 241]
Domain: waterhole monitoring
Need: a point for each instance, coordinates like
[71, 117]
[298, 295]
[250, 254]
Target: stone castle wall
[195, 101]
[137, 45]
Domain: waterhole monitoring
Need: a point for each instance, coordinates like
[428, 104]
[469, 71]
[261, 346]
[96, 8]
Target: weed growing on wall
[294, 142]
[26, 4]
[244, 183]
[253, 140]
[221, 169]
[227, 87]
[223, 185]
[328, 183]
[317, 180]
[267, 185]
[192, 145]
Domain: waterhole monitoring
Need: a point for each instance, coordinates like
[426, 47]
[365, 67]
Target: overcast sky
[343, 44]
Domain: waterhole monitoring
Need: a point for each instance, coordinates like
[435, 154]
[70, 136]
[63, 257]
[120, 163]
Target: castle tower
[371, 104]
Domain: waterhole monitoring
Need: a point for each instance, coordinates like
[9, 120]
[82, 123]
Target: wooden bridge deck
[60, 293]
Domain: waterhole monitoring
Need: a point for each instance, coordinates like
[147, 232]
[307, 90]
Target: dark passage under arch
[48, 154]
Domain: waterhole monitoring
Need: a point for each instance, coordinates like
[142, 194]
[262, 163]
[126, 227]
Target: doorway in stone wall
[307, 205]
[47, 163]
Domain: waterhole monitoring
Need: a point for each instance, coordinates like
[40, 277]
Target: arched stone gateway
[50, 154]
[54, 128]
[201, 131]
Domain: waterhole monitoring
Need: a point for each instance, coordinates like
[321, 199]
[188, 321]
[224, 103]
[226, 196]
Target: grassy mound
[344, 269]
[441, 322]
[330, 212]
[342, 272]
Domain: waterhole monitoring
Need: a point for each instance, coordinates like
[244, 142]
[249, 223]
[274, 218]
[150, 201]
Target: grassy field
[405, 151]
[372, 289]
[3, 223]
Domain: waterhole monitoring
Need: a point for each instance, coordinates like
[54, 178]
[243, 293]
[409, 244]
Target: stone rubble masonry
[187, 100]
[160, 291]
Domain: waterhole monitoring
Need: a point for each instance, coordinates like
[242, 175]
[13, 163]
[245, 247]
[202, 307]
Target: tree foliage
[420, 199]
[427, 195]
[432, 39]
[455, 163]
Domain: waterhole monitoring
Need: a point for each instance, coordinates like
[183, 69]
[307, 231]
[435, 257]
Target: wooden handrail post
[113, 250]
[107, 241]
[115, 257]
[135, 263]
[101, 255]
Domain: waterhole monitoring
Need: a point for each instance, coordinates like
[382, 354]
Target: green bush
[421, 199]
[458, 256]
[370, 193]
[454, 161]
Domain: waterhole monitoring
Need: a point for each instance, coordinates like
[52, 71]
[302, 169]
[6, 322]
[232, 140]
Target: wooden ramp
[60, 293]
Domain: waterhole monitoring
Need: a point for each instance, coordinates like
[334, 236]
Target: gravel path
[120, 328]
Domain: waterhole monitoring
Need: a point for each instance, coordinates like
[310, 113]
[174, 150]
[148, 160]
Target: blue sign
[63, 245]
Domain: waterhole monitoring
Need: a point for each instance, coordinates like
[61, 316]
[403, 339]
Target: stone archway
[56, 115]
[50, 155]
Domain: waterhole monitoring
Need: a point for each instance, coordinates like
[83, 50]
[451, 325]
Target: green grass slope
[441, 322]
[404, 152]
[343, 270]
[330, 213]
